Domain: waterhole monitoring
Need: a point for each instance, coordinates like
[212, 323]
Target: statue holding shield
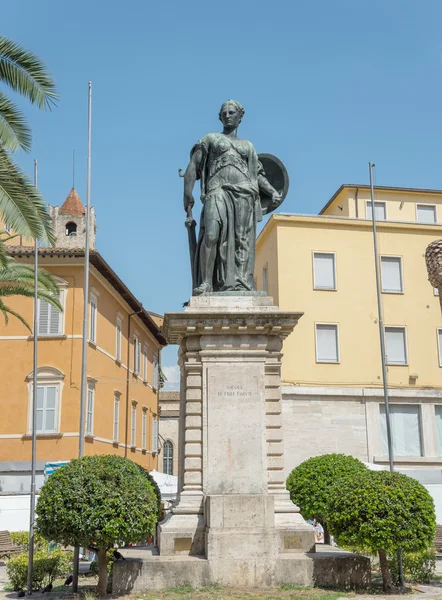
[237, 188]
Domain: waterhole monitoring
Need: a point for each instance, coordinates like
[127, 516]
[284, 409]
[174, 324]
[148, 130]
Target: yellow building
[323, 265]
[123, 356]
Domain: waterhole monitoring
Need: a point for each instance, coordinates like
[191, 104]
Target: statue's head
[231, 113]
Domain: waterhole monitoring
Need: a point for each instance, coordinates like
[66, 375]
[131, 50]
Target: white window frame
[7, 228]
[436, 291]
[133, 426]
[265, 278]
[93, 301]
[90, 406]
[168, 460]
[145, 363]
[433, 206]
[316, 287]
[154, 436]
[368, 204]
[46, 376]
[118, 337]
[116, 417]
[399, 258]
[143, 429]
[397, 364]
[137, 355]
[439, 345]
[328, 362]
[62, 291]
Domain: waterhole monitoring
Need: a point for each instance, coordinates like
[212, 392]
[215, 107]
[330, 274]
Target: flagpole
[34, 407]
[83, 384]
[383, 353]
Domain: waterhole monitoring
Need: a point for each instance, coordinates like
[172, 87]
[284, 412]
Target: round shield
[277, 175]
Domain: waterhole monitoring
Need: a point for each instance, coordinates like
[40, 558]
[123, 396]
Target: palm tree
[18, 280]
[21, 206]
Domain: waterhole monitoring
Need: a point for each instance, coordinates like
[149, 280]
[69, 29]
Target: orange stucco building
[123, 357]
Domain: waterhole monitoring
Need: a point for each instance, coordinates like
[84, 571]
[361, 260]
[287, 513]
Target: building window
[119, 329]
[137, 350]
[327, 345]
[324, 270]
[133, 426]
[90, 410]
[116, 416]
[436, 291]
[380, 211]
[93, 321]
[396, 346]
[145, 364]
[8, 228]
[71, 228]
[391, 270]
[265, 279]
[47, 396]
[155, 371]
[439, 345]
[143, 430]
[438, 410]
[154, 436]
[425, 213]
[405, 430]
[49, 319]
[168, 457]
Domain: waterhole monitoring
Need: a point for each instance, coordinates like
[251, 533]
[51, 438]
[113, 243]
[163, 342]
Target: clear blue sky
[327, 85]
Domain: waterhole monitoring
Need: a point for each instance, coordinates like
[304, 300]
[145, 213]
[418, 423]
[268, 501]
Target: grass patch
[215, 592]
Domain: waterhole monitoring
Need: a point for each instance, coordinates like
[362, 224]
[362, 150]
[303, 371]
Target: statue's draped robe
[229, 171]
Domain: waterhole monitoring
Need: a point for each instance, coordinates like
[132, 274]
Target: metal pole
[83, 385]
[383, 356]
[34, 408]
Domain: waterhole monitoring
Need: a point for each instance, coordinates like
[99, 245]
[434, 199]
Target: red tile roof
[72, 205]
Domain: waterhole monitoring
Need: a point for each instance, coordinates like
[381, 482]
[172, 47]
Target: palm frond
[26, 74]
[21, 205]
[4, 258]
[8, 311]
[19, 273]
[14, 132]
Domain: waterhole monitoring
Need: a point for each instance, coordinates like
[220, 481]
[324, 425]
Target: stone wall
[169, 403]
[316, 423]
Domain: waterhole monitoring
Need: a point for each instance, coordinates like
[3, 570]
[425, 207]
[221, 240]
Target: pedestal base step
[153, 572]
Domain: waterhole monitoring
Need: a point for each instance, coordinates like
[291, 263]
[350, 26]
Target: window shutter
[391, 274]
[426, 214]
[324, 271]
[43, 316]
[155, 436]
[395, 346]
[90, 411]
[50, 408]
[143, 430]
[40, 408]
[379, 211]
[116, 418]
[118, 339]
[327, 343]
[54, 320]
[93, 328]
[438, 410]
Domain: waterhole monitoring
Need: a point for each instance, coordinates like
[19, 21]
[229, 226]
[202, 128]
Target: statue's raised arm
[237, 188]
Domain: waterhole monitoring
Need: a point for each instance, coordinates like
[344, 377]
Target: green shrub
[21, 539]
[310, 483]
[418, 567]
[97, 501]
[383, 512]
[47, 567]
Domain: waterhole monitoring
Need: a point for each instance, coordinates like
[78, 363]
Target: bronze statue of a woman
[233, 185]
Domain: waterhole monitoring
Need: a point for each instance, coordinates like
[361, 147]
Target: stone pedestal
[233, 507]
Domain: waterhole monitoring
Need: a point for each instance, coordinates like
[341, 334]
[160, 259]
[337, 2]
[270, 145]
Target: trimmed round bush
[310, 484]
[382, 512]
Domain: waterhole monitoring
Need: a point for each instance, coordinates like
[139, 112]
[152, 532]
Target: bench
[6, 546]
[438, 539]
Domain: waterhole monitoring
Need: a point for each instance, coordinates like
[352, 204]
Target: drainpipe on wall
[357, 203]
